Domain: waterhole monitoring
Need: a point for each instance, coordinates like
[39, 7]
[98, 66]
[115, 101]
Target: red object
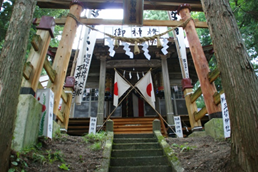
[116, 89]
[149, 89]
[70, 81]
[43, 108]
[186, 83]
[47, 23]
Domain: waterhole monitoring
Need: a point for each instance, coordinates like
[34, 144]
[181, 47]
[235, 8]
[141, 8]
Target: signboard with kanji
[178, 126]
[225, 115]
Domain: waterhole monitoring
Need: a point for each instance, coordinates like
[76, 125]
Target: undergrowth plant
[64, 167]
[184, 147]
[96, 146]
[98, 137]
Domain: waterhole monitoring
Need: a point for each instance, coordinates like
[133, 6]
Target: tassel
[136, 48]
[116, 43]
[158, 43]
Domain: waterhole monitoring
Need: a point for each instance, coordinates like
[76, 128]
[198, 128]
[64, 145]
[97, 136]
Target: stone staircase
[137, 153]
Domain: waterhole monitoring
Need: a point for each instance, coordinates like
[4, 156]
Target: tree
[239, 83]
[11, 65]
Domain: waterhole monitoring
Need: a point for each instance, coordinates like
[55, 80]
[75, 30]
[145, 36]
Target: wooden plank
[216, 97]
[89, 21]
[67, 110]
[27, 69]
[50, 71]
[191, 108]
[36, 58]
[167, 5]
[36, 42]
[196, 95]
[133, 12]
[64, 96]
[60, 116]
[40, 86]
[133, 63]
[212, 76]
[200, 114]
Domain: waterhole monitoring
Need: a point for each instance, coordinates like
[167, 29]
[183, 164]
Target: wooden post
[101, 99]
[191, 107]
[63, 53]
[200, 62]
[167, 90]
[38, 54]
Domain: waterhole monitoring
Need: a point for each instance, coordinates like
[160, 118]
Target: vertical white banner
[83, 64]
[93, 124]
[178, 126]
[225, 115]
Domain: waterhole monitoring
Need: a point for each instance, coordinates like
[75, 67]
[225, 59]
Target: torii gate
[64, 50]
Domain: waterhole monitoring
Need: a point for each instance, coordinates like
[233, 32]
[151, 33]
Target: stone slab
[214, 128]
[26, 123]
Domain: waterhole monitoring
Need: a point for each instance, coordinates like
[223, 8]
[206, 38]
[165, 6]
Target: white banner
[225, 115]
[178, 126]
[93, 124]
[83, 64]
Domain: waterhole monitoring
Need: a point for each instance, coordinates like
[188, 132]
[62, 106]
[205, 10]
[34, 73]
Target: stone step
[139, 161]
[133, 136]
[136, 146]
[134, 140]
[137, 153]
[160, 168]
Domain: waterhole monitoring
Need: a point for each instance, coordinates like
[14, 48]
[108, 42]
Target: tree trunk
[239, 82]
[1, 3]
[11, 66]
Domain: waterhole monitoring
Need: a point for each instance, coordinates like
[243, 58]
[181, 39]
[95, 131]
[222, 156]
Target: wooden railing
[212, 76]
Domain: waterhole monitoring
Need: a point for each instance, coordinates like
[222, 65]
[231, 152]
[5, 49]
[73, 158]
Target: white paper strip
[225, 115]
[178, 126]
[146, 51]
[165, 47]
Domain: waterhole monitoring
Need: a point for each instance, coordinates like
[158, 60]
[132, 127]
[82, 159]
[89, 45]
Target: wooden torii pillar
[63, 53]
[200, 62]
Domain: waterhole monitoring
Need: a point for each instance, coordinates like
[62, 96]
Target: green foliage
[96, 146]
[155, 15]
[95, 137]
[56, 156]
[184, 148]
[64, 167]
[37, 157]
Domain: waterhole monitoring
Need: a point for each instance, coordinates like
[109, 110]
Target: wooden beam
[36, 42]
[50, 71]
[167, 5]
[27, 69]
[89, 21]
[60, 116]
[64, 96]
[212, 76]
[196, 95]
[200, 114]
[216, 97]
[133, 63]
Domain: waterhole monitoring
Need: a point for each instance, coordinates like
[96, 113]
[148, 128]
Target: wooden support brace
[200, 114]
[50, 71]
[216, 97]
[60, 116]
[36, 42]
[212, 76]
[27, 69]
[196, 95]
[40, 86]
[64, 96]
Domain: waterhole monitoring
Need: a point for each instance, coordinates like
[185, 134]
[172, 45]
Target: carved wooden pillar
[64, 52]
[102, 82]
[167, 90]
[200, 62]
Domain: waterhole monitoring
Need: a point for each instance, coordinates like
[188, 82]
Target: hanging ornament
[127, 50]
[136, 48]
[138, 77]
[158, 43]
[143, 74]
[146, 51]
[165, 46]
[111, 47]
[116, 43]
[124, 74]
[130, 75]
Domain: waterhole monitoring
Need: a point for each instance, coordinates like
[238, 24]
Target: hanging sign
[133, 12]
[225, 115]
[178, 126]
[83, 64]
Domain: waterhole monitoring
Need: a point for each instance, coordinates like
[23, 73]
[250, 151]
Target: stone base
[214, 128]
[26, 123]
